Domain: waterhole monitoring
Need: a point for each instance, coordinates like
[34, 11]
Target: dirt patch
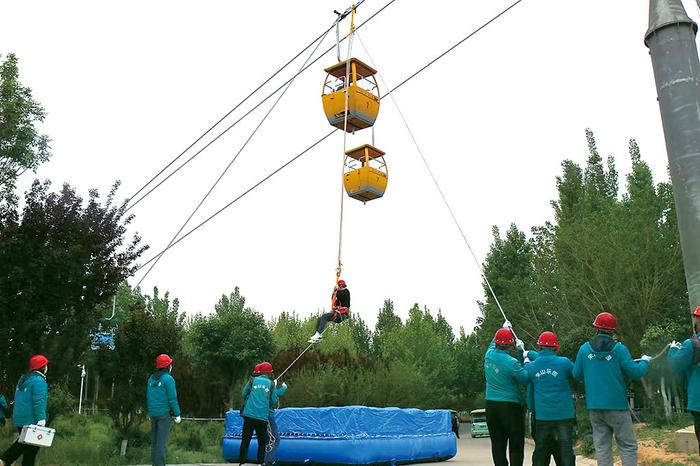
[650, 451]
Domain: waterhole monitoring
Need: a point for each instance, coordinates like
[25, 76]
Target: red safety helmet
[548, 340]
[696, 312]
[264, 368]
[163, 361]
[37, 361]
[341, 283]
[504, 337]
[256, 371]
[606, 321]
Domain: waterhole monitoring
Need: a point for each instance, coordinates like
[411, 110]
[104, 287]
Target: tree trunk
[665, 396]
[648, 389]
[122, 451]
[231, 393]
[677, 396]
[97, 393]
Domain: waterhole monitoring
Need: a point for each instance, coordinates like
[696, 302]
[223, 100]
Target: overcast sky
[128, 85]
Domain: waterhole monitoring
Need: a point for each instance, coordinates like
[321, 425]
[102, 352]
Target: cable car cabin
[363, 95]
[367, 180]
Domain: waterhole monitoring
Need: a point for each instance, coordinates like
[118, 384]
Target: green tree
[59, 259]
[151, 326]
[22, 148]
[387, 323]
[228, 343]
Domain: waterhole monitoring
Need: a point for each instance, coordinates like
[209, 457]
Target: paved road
[472, 452]
[477, 451]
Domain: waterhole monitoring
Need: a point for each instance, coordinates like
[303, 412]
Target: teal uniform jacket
[504, 375]
[683, 360]
[4, 407]
[260, 397]
[550, 377]
[161, 395]
[602, 365]
[31, 397]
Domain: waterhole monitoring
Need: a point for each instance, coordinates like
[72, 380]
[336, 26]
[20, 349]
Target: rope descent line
[339, 268]
[131, 205]
[425, 161]
[235, 157]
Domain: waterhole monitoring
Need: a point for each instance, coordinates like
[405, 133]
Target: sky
[128, 85]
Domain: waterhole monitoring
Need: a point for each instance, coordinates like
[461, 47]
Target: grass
[92, 440]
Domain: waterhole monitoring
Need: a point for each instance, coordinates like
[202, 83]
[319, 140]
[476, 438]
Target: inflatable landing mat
[352, 435]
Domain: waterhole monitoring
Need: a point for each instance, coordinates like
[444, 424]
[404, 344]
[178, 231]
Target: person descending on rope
[339, 313]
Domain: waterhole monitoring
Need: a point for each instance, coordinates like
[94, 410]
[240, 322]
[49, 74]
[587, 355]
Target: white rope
[345, 139]
[245, 144]
[294, 362]
[437, 185]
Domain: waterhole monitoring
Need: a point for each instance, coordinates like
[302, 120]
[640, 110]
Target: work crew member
[530, 356]
[4, 407]
[685, 358]
[602, 365]
[272, 431]
[31, 396]
[259, 397]
[161, 400]
[550, 376]
[504, 411]
[340, 310]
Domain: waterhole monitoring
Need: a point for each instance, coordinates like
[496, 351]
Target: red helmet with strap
[341, 283]
[163, 361]
[605, 321]
[548, 340]
[696, 312]
[504, 337]
[256, 371]
[37, 361]
[264, 368]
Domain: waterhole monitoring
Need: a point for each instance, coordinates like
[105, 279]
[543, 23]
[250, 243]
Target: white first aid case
[37, 436]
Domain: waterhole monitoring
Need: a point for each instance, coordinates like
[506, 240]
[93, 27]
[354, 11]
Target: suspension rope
[230, 127]
[241, 196]
[293, 159]
[339, 267]
[235, 157]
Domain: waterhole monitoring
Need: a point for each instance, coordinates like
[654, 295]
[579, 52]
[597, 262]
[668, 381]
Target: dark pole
[674, 57]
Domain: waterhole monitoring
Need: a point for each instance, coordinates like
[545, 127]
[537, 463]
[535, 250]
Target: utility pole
[674, 57]
[82, 380]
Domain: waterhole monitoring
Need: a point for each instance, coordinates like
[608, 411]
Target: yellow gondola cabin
[368, 180]
[363, 95]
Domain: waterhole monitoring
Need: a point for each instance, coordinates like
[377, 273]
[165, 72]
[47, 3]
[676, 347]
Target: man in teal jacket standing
[259, 397]
[555, 417]
[505, 416]
[31, 397]
[161, 401]
[685, 358]
[602, 365]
